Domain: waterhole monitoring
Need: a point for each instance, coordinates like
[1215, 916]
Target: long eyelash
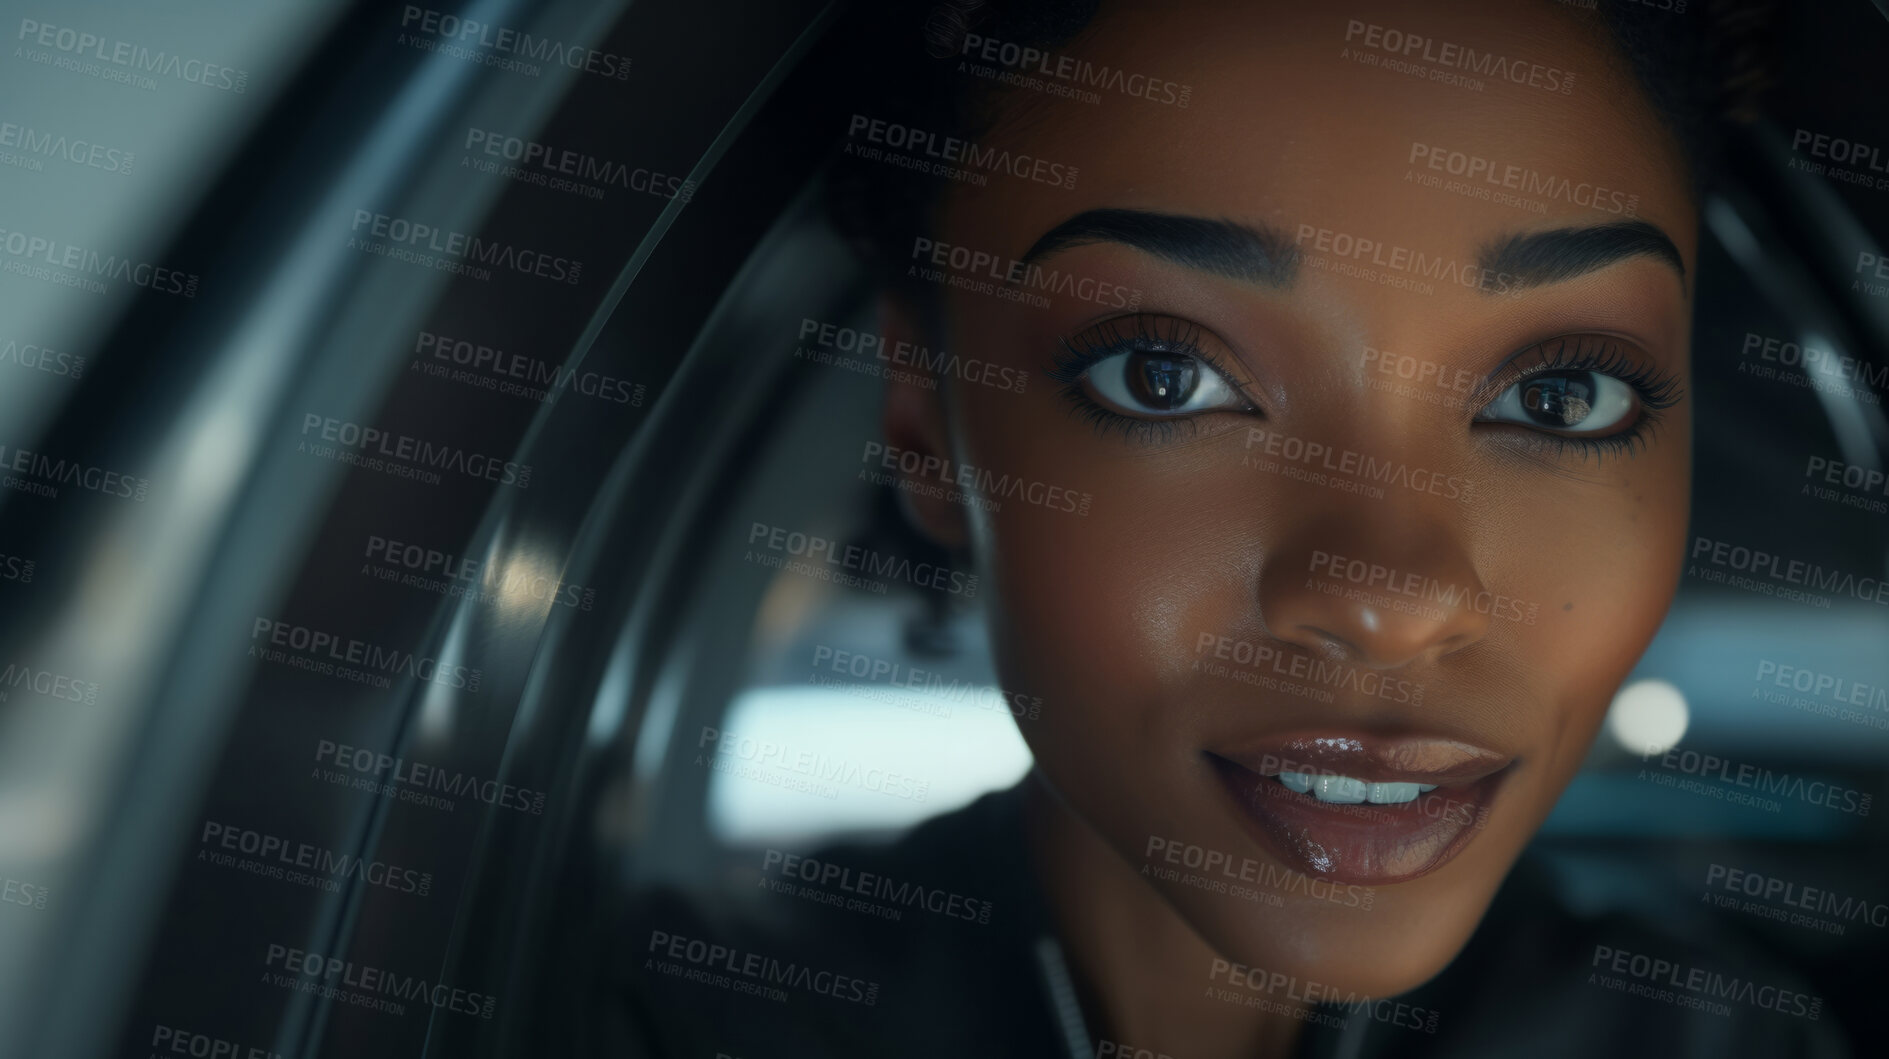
[1139, 333]
[1658, 391]
[1586, 353]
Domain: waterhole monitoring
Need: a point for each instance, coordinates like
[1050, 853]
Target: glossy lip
[1362, 843]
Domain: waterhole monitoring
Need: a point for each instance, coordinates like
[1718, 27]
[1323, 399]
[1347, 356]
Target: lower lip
[1360, 843]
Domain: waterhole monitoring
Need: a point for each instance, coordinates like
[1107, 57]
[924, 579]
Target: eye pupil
[1562, 400]
[1163, 381]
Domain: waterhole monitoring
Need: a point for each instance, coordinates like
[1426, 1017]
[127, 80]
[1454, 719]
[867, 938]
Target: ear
[914, 420]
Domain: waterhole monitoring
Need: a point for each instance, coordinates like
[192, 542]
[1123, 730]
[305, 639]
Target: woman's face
[1387, 464]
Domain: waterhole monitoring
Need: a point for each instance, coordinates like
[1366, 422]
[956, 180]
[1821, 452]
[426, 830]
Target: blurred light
[1648, 717]
[527, 582]
[823, 760]
[40, 828]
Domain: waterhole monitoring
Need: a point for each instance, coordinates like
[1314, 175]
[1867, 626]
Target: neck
[1141, 969]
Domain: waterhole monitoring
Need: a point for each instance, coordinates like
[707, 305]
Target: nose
[1378, 589]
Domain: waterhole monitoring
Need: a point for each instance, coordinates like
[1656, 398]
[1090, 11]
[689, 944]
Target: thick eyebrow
[1537, 258]
[1237, 251]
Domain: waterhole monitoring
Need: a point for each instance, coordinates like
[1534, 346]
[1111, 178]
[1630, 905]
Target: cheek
[1129, 588]
[1602, 566]
[1100, 614]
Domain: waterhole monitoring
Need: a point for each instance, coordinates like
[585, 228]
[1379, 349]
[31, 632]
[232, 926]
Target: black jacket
[939, 945]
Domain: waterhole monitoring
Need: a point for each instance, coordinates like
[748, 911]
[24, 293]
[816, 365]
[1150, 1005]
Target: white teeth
[1347, 791]
[1392, 793]
[1341, 789]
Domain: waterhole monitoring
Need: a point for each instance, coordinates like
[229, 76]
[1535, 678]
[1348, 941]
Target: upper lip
[1437, 760]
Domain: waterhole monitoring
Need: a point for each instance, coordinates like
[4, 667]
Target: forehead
[1435, 128]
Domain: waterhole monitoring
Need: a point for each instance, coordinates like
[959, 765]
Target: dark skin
[1101, 615]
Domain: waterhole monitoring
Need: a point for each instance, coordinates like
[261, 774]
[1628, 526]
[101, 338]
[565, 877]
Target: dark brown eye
[1559, 402]
[1154, 384]
[1161, 381]
[1579, 402]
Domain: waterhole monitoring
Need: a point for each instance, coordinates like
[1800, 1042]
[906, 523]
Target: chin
[1314, 950]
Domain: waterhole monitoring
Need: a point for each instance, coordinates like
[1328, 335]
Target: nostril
[1332, 645]
[1387, 614]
